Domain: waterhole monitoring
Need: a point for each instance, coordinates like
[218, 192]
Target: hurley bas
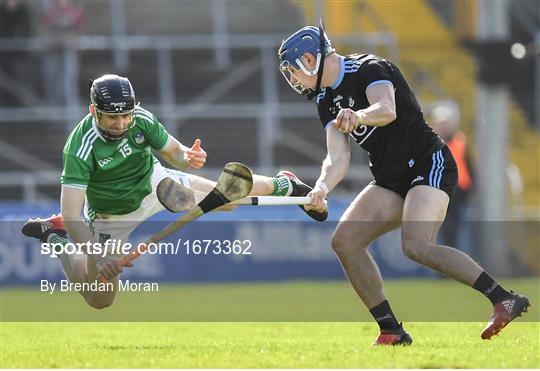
[66, 286]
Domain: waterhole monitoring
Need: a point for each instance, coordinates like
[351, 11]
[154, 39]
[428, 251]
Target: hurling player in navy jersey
[365, 98]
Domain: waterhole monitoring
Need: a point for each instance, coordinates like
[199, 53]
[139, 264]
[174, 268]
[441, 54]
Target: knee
[339, 242]
[99, 302]
[345, 241]
[414, 248]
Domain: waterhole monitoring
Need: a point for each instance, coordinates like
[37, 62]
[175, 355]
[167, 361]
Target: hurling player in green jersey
[110, 176]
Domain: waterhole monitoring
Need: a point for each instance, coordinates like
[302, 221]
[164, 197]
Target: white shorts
[118, 227]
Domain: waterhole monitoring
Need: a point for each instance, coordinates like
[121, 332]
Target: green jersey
[115, 174]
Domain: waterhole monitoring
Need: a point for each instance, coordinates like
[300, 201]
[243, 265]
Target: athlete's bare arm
[71, 204]
[381, 112]
[334, 167]
[182, 157]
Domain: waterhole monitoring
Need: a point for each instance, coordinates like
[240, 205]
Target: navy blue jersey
[393, 149]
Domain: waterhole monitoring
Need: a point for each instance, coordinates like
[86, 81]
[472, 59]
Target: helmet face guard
[285, 69]
[112, 95]
[113, 134]
[306, 40]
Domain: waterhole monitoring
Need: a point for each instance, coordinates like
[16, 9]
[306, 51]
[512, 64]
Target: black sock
[384, 316]
[487, 286]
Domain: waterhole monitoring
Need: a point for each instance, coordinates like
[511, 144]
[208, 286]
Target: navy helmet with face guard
[305, 40]
[112, 95]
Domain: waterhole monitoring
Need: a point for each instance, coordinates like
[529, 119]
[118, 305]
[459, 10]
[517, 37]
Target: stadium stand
[439, 65]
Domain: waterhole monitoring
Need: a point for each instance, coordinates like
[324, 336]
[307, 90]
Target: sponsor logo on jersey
[361, 130]
[334, 110]
[338, 98]
[417, 179]
[104, 237]
[139, 138]
[104, 161]
[362, 133]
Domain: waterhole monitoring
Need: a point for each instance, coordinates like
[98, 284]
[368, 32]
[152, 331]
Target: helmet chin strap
[312, 93]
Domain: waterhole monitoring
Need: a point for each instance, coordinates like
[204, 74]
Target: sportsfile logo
[110, 247]
[117, 247]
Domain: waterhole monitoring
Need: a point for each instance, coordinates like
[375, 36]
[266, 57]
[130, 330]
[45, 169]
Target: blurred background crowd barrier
[208, 69]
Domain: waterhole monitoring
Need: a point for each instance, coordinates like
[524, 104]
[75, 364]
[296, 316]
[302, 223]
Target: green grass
[333, 301]
[290, 325]
[261, 345]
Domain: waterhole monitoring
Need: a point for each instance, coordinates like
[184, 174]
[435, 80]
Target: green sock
[57, 240]
[282, 186]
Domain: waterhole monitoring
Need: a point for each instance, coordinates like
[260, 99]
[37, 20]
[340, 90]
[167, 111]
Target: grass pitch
[261, 345]
[266, 343]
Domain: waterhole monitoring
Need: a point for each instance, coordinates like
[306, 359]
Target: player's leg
[262, 185]
[114, 231]
[99, 299]
[105, 228]
[74, 266]
[51, 230]
[423, 212]
[77, 267]
[374, 212]
[284, 183]
[287, 183]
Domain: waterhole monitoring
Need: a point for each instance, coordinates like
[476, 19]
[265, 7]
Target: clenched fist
[347, 120]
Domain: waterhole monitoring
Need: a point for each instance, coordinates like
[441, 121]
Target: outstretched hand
[195, 156]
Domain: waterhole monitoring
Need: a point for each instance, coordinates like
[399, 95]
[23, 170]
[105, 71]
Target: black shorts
[438, 170]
